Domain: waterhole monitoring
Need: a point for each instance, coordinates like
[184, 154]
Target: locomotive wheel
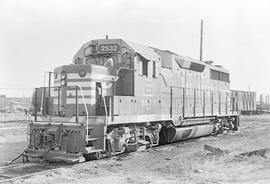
[131, 147]
[93, 156]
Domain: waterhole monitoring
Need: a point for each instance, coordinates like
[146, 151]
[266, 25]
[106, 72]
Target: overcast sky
[36, 36]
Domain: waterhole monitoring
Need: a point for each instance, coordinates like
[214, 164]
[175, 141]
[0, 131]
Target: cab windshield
[104, 60]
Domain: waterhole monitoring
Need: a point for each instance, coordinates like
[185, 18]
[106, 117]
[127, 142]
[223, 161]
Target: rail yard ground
[184, 162]
[12, 136]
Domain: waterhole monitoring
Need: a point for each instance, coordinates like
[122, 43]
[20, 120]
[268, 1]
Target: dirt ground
[182, 163]
[4, 117]
[13, 139]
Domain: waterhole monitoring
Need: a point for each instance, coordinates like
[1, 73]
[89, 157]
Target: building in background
[3, 103]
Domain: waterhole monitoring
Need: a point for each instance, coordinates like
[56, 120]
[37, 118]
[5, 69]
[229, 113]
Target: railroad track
[13, 172]
[10, 173]
[211, 137]
[13, 121]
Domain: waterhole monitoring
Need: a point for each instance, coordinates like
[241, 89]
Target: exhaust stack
[201, 41]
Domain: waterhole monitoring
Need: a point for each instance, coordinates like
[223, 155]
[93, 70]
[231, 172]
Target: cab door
[100, 110]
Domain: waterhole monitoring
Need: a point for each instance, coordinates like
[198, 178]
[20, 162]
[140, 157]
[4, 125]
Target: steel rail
[27, 175]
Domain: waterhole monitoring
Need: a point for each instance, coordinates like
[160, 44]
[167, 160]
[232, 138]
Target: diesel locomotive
[118, 96]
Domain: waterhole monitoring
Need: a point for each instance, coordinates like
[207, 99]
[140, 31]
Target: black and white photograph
[134, 91]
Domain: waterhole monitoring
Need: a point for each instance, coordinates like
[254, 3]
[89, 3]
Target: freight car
[243, 102]
[263, 106]
[120, 96]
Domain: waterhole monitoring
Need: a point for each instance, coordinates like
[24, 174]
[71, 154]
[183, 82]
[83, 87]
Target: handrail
[76, 109]
[105, 106]
[85, 106]
[106, 118]
[42, 101]
[35, 105]
[106, 112]
[27, 118]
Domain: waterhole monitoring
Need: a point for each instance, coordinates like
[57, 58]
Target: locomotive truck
[118, 96]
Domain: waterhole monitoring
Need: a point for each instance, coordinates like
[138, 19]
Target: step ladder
[95, 139]
[95, 134]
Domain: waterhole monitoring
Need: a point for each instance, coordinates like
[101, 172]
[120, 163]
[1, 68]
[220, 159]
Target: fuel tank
[173, 134]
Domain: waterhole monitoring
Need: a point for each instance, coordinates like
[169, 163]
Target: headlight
[63, 82]
[63, 75]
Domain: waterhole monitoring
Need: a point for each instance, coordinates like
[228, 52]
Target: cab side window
[79, 61]
[154, 71]
[127, 60]
[143, 66]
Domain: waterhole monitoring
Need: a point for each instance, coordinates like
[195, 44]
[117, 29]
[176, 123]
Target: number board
[108, 48]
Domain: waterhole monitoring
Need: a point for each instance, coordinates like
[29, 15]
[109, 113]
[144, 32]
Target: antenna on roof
[201, 40]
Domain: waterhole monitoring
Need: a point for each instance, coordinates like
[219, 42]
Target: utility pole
[201, 41]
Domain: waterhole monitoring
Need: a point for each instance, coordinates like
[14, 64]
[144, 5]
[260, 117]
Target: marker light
[63, 78]
[82, 73]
